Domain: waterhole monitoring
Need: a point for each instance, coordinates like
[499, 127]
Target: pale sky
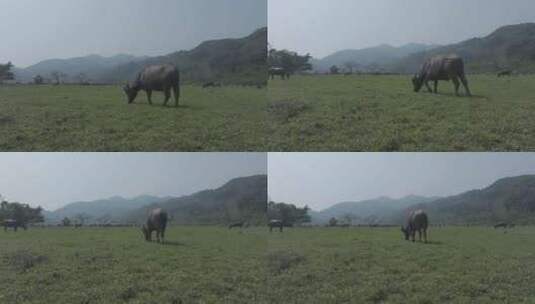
[323, 27]
[52, 180]
[34, 30]
[321, 180]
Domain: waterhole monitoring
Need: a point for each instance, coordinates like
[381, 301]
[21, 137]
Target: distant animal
[162, 78]
[156, 221]
[211, 84]
[275, 224]
[441, 68]
[278, 71]
[500, 225]
[505, 73]
[416, 221]
[14, 224]
[236, 225]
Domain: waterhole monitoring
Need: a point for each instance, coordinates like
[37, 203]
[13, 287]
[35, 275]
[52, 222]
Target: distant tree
[38, 79]
[350, 66]
[81, 78]
[58, 77]
[288, 60]
[66, 222]
[333, 222]
[5, 72]
[20, 212]
[288, 213]
[334, 70]
[81, 218]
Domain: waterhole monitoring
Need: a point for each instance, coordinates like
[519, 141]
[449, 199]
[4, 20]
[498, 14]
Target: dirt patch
[282, 261]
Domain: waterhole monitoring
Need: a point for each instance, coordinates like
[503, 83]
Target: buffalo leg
[149, 96]
[427, 86]
[456, 84]
[420, 235]
[167, 93]
[425, 235]
[436, 86]
[176, 93]
[465, 84]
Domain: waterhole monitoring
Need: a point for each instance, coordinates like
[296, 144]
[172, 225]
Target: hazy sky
[324, 179]
[34, 30]
[322, 27]
[55, 179]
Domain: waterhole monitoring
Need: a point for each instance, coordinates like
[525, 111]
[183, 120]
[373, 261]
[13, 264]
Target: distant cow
[417, 221]
[162, 78]
[236, 225]
[157, 221]
[275, 224]
[277, 71]
[500, 225]
[505, 73]
[441, 68]
[14, 224]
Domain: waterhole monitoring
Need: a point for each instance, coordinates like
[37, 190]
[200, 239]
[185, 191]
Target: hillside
[230, 61]
[509, 47]
[111, 209]
[382, 210]
[509, 199]
[367, 59]
[241, 199]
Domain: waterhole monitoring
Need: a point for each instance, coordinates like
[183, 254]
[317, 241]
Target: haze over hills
[508, 47]
[241, 199]
[233, 61]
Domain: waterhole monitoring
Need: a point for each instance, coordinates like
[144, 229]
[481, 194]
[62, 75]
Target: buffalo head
[146, 233]
[131, 92]
[417, 82]
[405, 232]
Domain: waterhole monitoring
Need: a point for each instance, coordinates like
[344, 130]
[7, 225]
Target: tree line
[22, 213]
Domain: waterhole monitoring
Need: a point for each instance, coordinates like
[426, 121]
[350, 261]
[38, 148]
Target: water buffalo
[417, 221]
[441, 68]
[276, 224]
[236, 225]
[160, 78]
[505, 73]
[157, 221]
[276, 71]
[14, 224]
[500, 225]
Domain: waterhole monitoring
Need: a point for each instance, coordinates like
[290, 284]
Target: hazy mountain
[92, 65]
[369, 58]
[230, 61]
[112, 208]
[383, 210]
[509, 47]
[508, 199]
[240, 199]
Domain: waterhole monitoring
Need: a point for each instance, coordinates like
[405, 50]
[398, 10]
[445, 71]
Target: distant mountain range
[233, 61]
[509, 199]
[240, 199]
[508, 47]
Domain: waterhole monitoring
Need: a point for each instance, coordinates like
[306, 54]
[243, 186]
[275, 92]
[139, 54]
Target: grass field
[307, 265]
[382, 113]
[459, 265]
[98, 118]
[115, 265]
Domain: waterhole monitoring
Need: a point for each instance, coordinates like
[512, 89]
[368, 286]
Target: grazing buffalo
[276, 71]
[157, 221]
[500, 225]
[441, 68]
[14, 224]
[275, 224]
[505, 73]
[417, 221]
[236, 225]
[160, 78]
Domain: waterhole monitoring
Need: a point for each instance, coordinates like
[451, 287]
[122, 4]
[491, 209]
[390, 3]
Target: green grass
[97, 118]
[459, 265]
[301, 265]
[382, 113]
[199, 265]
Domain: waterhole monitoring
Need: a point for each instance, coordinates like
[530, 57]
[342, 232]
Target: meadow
[365, 265]
[115, 265]
[98, 118]
[382, 113]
